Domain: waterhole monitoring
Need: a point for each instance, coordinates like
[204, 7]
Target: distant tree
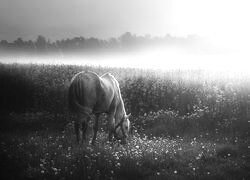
[81, 41]
[41, 43]
[93, 43]
[127, 39]
[75, 43]
[143, 40]
[30, 45]
[19, 43]
[4, 43]
[113, 43]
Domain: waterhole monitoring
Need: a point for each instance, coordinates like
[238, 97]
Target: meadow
[185, 125]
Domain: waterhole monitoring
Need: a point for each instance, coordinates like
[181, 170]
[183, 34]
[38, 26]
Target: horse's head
[122, 129]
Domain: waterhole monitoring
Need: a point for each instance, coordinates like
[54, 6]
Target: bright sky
[107, 18]
[225, 22]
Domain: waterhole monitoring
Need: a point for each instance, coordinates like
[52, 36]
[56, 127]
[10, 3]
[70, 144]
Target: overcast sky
[56, 19]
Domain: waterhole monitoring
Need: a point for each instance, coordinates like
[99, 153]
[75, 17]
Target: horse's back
[84, 90]
[111, 83]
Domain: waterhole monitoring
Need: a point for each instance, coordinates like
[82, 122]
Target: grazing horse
[92, 94]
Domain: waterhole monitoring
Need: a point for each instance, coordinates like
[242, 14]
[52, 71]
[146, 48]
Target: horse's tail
[73, 102]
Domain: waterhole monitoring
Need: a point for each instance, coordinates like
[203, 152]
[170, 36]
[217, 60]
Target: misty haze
[127, 50]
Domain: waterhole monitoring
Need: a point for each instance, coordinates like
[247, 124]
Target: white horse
[91, 94]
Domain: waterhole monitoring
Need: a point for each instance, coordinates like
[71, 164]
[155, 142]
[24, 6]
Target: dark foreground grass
[48, 152]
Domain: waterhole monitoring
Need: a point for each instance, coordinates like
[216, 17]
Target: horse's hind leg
[84, 126]
[95, 129]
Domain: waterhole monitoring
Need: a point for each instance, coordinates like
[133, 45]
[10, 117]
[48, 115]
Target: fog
[159, 58]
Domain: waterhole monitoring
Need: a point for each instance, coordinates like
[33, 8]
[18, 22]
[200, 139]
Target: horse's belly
[101, 108]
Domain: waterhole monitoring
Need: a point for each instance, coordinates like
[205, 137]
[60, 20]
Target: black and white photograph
[125, 89]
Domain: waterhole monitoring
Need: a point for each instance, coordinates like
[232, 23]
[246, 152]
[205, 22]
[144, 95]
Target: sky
[57, 19]
[222, 23]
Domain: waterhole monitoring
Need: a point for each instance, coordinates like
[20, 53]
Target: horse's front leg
[111, 125]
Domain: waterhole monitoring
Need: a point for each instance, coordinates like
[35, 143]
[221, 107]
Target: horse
[92, 94]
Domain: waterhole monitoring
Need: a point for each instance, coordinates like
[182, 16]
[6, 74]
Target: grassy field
[186, 125]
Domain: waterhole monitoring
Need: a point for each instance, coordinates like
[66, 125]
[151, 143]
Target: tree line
[81, 44]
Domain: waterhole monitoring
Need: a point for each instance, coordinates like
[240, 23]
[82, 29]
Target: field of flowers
[185, 125]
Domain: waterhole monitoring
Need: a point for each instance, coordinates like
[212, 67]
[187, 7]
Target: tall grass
[197, 101]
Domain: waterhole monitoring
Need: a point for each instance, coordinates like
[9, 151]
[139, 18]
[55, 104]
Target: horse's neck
[120, 111]
[120, 108]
